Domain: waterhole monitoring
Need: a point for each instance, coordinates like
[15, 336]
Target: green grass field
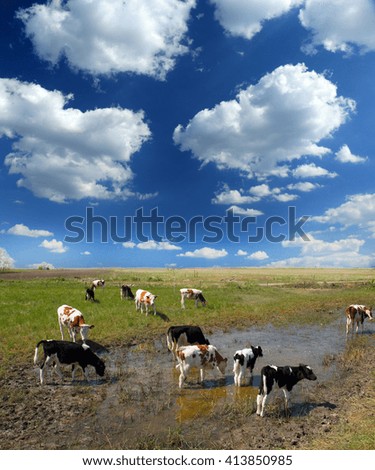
[236, 298]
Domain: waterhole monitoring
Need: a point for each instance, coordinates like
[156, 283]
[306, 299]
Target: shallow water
[143, 389]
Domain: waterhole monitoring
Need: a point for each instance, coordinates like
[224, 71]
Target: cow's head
[307, 372]
[222, 364]
[368, 312]
[151, 299]
[84, 331]
[201, 299]
[100, 367]
[258, 351]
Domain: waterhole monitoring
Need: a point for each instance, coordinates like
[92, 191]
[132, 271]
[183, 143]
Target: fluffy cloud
[110, 36]
[24, 231]
[233, 196]
[244, 18]
[54, 246]
[359, 209]
[319, 253]
[63, 153]
[258, 256]
[344, 155]
[208, 253]
[247, 212]
[42, 265]
[310, 170]
[304, 187]
[153, 245]
[338, 25]
[281, 118]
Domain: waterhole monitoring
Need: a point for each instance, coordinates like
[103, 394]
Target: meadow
[236, 299]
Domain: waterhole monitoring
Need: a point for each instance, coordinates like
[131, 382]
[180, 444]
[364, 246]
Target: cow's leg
[85, 373]
[58, 369]
[154, 309]
[183, 373]
[61, 329]
[286, 401]
[347, 325]
[46, 362]
[261, 404]
[201, 375]
[182, 301]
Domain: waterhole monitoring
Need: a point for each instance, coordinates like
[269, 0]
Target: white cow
[143, 298]
[357, 314]
[194, 294]
[202, 357]
[73, 319]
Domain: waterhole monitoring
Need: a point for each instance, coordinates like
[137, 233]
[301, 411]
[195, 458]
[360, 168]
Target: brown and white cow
[202, 357]
[73, 319]
[357, 314]
[194, 294]
[184, 335]
[143, 298]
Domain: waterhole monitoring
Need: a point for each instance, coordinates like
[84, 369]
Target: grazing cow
[194, 294]
[97, 283]
[202, 357]
[126, 292]
[286, 377]
[143, 298]
[65, 352]
[357, 314]
[184, 335]
[90, 295]
[74, 321]
[245, 359]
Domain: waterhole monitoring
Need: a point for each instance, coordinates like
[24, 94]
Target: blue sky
[227, 122]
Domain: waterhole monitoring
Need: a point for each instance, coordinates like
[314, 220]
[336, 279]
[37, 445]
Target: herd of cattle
[187, 343]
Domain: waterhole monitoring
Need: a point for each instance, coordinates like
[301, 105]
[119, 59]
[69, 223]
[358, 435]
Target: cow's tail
[36, 351]
[236, 364]
[169, 341]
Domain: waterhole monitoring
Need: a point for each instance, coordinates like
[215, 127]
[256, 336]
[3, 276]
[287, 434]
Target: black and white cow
[90, 294]
[245, 359]
[184, 335]
[126, 292]
[194, 294]
[66, 352]
[285, 377]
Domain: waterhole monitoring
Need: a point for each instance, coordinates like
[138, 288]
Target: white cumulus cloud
[245, 18]
[320, 253]
[208, 253]
[110, 36]
[258, 256]
[340, 25]
[63, 153]
[54, 246]
[310, 170]
[24, 231]
[344, 155]
[281, 118]
[153, 245]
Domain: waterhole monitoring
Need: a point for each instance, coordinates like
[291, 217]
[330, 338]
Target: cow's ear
[155, 296]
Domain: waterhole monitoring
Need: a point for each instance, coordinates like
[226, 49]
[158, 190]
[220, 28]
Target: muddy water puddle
[143, 392]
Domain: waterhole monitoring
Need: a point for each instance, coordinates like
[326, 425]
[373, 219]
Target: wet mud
[139, 404]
